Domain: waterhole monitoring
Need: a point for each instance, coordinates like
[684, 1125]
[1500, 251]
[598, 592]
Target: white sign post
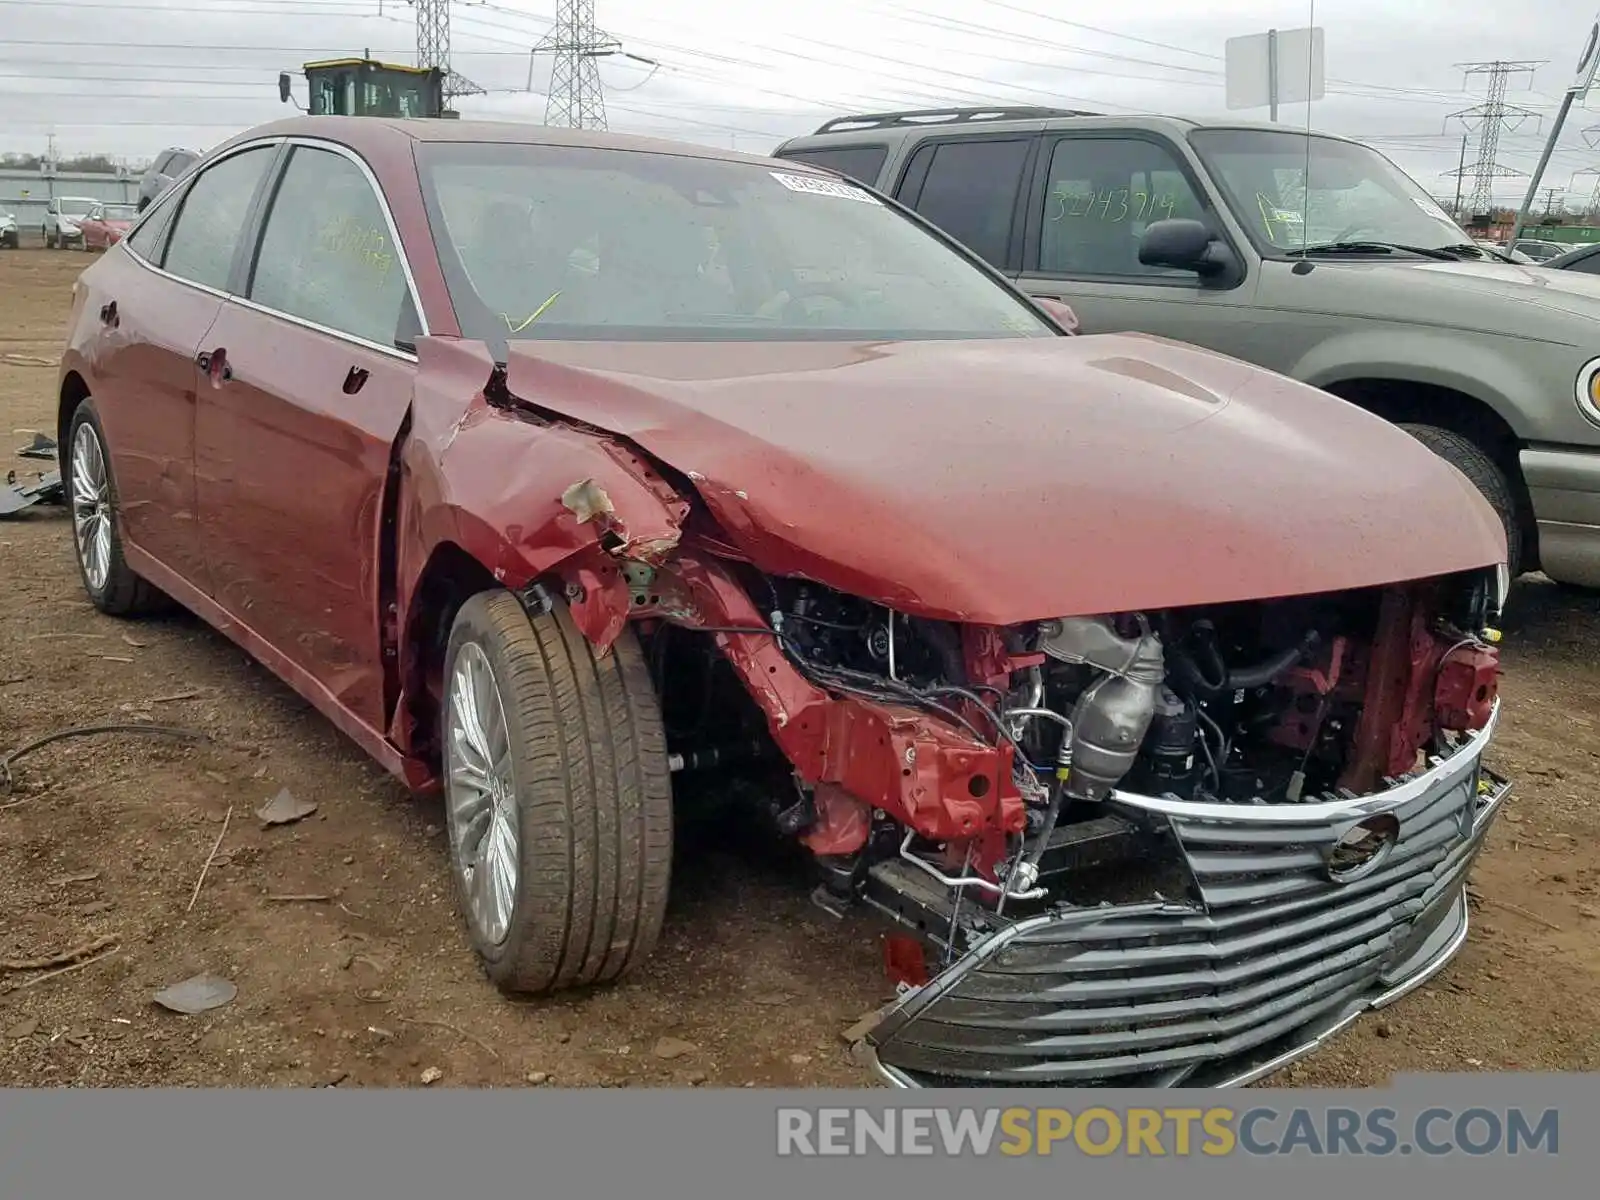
[1280, 66]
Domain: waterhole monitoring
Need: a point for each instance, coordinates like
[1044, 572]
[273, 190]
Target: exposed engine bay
[1277, 702]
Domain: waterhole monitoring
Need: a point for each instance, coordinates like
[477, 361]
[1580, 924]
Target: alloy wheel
[91, 507]
[481, 794]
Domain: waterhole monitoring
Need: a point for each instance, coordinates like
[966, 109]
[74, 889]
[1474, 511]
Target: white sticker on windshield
[817, 186]
[1429, 207]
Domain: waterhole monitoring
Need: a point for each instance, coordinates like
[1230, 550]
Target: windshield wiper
[1467, 248]
[1374, 248]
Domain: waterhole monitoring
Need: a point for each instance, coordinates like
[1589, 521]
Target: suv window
[1101, 194]
[206, 232]
[969, 190]
[326, 255]
[858, 162]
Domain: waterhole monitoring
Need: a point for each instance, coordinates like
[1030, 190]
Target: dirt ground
[370, 981]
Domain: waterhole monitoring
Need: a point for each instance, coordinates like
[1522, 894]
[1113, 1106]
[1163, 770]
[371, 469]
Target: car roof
[378, 135]
[880, 127]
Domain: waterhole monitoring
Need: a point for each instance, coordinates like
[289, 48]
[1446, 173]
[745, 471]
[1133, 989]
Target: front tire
[558, 797]
[1485, 474]
[110, 583]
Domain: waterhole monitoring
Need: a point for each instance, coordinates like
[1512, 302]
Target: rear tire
[1471, 460]
[558, 795]
[92, 496]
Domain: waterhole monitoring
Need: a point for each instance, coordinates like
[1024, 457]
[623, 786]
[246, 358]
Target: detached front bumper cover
[1306, 917]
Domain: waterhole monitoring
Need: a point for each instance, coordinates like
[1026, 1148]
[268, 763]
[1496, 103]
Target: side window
[1587, 266]
[1101, 194]
[206, 231]
[861, 163]
[970, 191]
[150, 238]
[326, 255]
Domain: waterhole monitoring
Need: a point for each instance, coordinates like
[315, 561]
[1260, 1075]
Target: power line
[575, 100]
[1489, 119]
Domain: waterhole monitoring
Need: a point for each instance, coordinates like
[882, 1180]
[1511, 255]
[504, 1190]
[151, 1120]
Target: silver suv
[169, 165]
[1359, 284]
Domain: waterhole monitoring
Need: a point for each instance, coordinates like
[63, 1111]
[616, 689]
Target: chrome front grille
[1136, 993]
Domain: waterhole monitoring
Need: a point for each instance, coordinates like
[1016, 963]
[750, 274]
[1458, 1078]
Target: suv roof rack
[947, 116]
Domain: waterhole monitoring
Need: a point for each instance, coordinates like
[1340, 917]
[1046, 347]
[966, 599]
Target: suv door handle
[108, 313]
[215, 364]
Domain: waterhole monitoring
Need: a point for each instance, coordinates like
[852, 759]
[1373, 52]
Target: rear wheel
[92, 492]
[1473, 462]
[559, 800]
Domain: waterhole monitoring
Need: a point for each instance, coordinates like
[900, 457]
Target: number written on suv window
[1102, 194]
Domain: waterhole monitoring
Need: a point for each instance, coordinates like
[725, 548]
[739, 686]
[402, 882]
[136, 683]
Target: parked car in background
[571, 473]
[63, 216]
[167, 168]
[1583, 259]
[1363, 287]
[1502, 253]
[8, 229]
[104, 224]
[1538, 250]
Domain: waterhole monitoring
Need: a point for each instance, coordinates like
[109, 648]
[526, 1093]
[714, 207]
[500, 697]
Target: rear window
[588, 243]
[858, 162]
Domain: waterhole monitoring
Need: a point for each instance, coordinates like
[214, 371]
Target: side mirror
[1179, 243]
[1060, 312]
[284, 84]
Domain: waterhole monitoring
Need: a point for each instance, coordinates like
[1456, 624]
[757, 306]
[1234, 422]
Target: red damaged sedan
[579, 476]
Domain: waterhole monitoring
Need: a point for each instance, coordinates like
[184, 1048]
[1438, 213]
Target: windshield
[75, 208]
[118, 212]
[1291, 190]
[587, 243]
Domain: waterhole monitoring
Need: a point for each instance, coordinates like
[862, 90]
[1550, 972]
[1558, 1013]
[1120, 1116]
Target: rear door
[293, 439]
[972, 189]
[1092, 195]
[155, 301]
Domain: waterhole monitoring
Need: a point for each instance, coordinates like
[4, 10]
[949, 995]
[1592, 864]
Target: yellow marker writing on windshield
[536, 314]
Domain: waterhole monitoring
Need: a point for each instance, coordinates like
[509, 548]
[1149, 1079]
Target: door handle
[354, 380]
[215, 364]
[108, 313]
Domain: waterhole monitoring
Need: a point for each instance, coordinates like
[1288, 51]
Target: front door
[1092, 197]
[294, 435]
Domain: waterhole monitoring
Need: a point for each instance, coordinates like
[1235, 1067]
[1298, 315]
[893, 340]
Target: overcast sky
[129, 77]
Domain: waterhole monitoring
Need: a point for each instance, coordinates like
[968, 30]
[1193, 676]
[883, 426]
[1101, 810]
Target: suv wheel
[558, 797]
[1471, 460]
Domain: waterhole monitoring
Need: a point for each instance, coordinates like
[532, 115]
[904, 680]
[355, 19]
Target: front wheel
[558, 795]
[1485, 474]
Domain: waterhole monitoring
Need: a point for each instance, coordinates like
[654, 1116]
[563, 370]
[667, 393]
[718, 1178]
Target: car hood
[1515, 299]
[998, 481]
